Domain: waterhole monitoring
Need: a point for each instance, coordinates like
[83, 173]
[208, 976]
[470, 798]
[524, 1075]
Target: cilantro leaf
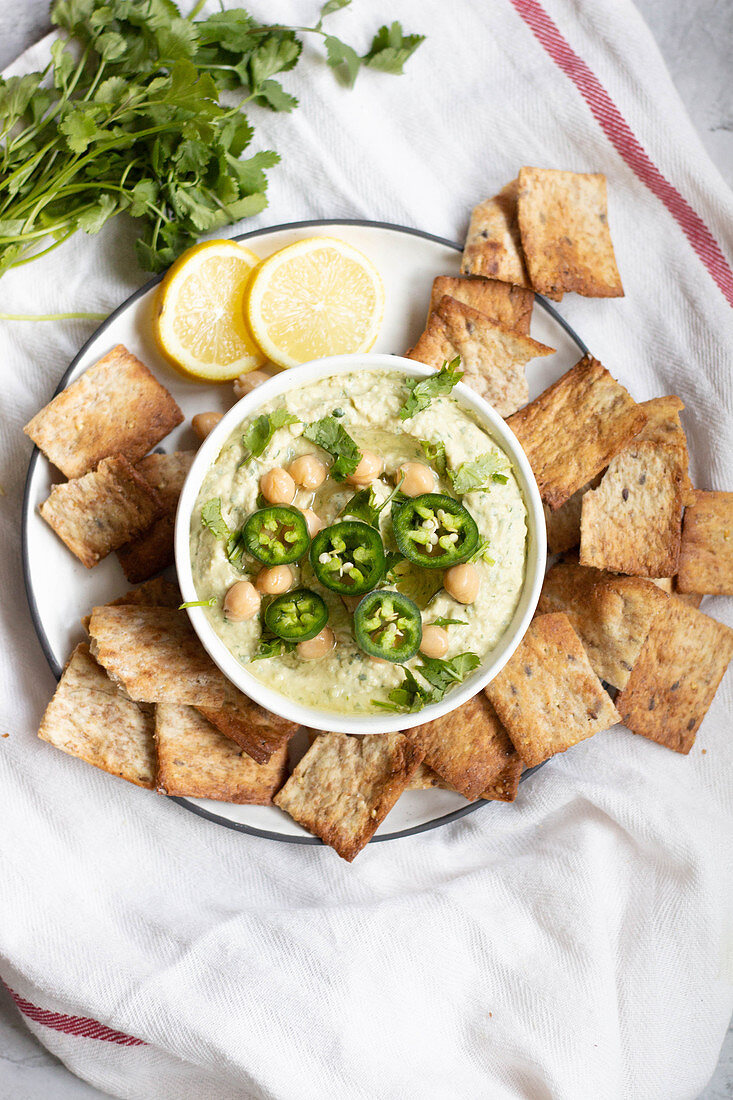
[423, 390]
[229, 29]
[331, 6]
[343, 59]
[277, 54]
[333, 438]
[92, 220]
[362, 506]
[409, 696]
[212, 519]
[273, 95]
[442, 674]
[261, 431]
[478, 474]
[390, 49]
[435, 454]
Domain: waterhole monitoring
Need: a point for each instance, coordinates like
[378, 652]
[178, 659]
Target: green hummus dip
[346, 680]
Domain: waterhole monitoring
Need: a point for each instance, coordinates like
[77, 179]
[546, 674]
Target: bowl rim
[247, 406]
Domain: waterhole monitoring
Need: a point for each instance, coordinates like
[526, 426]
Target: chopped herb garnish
[272, 647]
[333, 438]
[435, 454]
[212, 519]
[482, 552]
[198, 603]
[411, 695]
[443, 674]
[477, 475]
[338, 413]
[440, 621]
[423, 390]
[234, 547]
[257, 437]
[363, 505]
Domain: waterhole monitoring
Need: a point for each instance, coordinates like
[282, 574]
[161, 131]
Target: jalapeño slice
[434, 530]
[388, 625]
[348, 557]
[296, 616]
[277, 535]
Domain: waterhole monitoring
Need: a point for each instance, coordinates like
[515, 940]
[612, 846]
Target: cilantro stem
[195, 10]
[46, 230]
[45, 251]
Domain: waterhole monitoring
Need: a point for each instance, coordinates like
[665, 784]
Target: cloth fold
[574, 944]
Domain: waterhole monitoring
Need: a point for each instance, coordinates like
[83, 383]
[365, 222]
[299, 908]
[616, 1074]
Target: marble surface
[695, 38]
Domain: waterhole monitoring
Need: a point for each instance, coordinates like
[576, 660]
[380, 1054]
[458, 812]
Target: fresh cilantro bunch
[128, 117]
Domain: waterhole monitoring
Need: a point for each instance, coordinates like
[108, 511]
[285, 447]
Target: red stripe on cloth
[625, 141]
[73, 1025]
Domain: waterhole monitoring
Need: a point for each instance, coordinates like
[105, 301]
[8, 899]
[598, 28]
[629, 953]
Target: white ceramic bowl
[493, 662]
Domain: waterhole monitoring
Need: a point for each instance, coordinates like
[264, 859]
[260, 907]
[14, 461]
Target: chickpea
[249, 381]
[462, 582]
[434, 641]
[369, 468]
[317, 647]
[308, 471]
[241, 602]
[416, 479]
[203, 423]
[313, 522]
[277, 486]
[271, 582]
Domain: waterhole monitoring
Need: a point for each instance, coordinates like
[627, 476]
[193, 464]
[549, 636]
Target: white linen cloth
[576, 944]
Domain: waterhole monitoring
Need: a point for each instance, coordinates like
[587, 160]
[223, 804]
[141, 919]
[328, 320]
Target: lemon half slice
[199, 324]
[316, 297]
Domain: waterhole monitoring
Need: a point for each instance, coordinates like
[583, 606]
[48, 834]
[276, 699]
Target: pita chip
[344, 786]
[92, 718]
[563, 224]
[547, 695]
[115, 407]
[574, 428]
[493, 247]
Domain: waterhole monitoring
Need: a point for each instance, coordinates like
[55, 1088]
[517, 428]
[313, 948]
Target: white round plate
[60, 590]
